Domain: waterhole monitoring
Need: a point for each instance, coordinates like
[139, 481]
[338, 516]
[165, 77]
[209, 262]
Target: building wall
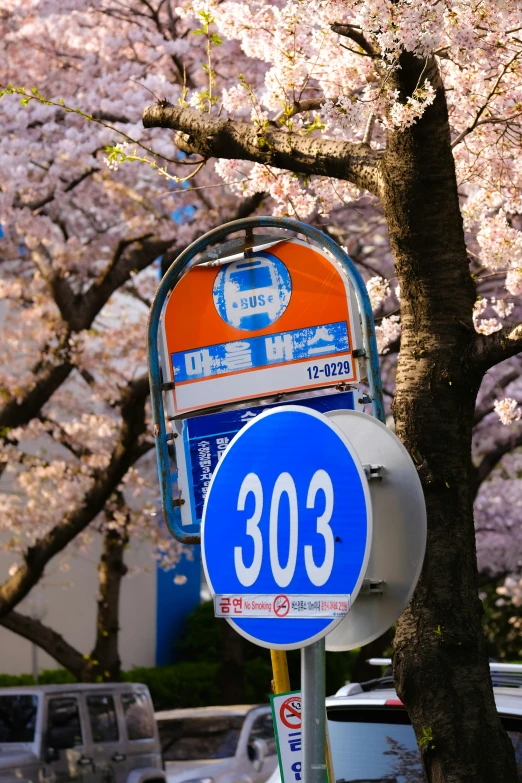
[152, 607]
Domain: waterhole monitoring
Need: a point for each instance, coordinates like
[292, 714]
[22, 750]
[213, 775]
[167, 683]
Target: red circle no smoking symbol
[281, 605]
[290, 712]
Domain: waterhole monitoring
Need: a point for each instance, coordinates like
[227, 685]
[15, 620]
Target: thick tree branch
[216, 138]
[508, 441]
[52, 642]
[355, 35]
[16, 587]
[144, 251]
[80, 311]
[47, 375]
[494, 348]
[486, 404]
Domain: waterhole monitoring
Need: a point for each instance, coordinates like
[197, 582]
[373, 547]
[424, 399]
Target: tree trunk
[440, 663]
[105, 658]
[103, 664]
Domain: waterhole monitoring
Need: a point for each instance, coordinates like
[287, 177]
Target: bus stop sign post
[313, 654]
[189, 258]
[299, 533]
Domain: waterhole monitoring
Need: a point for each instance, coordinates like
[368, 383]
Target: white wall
[71, 608]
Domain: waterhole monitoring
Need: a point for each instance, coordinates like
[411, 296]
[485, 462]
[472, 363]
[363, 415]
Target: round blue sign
[254, 292]
[286, 530]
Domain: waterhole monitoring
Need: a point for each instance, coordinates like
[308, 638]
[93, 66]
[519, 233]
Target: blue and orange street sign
[266, 322]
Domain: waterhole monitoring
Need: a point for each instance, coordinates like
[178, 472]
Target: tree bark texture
[105, 656]
[440, 664]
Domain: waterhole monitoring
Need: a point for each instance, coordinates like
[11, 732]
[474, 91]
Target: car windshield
[207, 737]
[18, 717]
[378, 746]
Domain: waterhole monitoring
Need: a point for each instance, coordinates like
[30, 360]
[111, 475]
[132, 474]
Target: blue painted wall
[174, 602]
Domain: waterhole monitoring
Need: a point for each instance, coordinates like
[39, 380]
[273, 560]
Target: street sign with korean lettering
[201, 441]
[287, 528]
[262, 323]
[286, 714]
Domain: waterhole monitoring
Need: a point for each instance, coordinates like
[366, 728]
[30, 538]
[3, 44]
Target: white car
[218, 744]
[371, 737]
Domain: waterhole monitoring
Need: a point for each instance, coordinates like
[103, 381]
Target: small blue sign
[255, 352]
[204, 439]
[286, 529]
[254, 292]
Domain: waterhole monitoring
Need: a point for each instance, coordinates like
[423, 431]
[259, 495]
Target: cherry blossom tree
[393, 126]
[81, 250]
[418, 105]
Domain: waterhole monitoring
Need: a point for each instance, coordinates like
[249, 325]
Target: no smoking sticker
[281, 606]
[290, 712]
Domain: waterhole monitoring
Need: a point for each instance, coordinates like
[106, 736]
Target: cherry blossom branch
[494, 348]
[34, 95]
[484, 106]
[78, 311]
[354, 34]
[486, 404]
[48, 373]
[299, 107]
[125, 452]
[217, 138]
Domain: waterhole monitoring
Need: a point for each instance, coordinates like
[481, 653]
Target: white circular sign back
[399, 531]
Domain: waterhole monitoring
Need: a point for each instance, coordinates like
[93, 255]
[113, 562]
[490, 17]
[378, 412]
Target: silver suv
[233, 744]
[86, 733]
[372, 740]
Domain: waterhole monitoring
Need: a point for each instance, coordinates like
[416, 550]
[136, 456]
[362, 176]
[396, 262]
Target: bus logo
[252, 293]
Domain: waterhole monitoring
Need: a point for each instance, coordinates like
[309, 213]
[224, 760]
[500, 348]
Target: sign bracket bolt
[372, 587]
[373, 471]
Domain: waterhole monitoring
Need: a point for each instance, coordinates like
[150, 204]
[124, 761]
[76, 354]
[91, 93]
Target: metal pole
[281, 680]
[313, 695]
[34, 657]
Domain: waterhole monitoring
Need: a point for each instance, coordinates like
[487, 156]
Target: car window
[514, 730]
[263, 728]
[138, 716]
[191, 739]
[378, 745]
[18, 717]
[63, 721]
[102, 717]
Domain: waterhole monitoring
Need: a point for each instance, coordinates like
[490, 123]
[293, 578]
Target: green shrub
[185, 684]
[47, 677]
[194, 680]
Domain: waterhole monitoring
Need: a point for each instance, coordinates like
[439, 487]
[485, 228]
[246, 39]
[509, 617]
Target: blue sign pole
[172, 277]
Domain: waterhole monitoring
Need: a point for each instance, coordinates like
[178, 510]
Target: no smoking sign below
[290, 712]
[282, 606]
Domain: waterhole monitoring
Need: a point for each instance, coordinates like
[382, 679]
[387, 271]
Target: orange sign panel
[267, 322]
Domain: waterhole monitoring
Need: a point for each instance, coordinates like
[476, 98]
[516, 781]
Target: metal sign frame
[174, 274]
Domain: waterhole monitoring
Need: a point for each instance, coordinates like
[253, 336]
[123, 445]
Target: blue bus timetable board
[201, 441]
